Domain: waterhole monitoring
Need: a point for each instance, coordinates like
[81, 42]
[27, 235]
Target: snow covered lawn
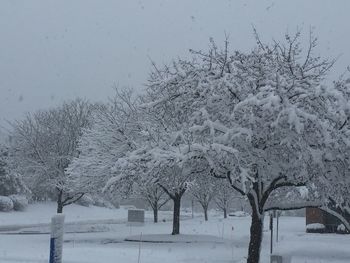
[212, 241]
[40, 213]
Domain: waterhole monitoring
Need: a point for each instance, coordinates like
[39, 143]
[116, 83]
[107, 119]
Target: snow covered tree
[10, 182]
[175, 181]
[155, 155]
[152, 193]
[157, 158]
[332, 187]
[44, 144]
[204, 190]
[224, 196]
[162, 166]
[110, 137]
[259, 119]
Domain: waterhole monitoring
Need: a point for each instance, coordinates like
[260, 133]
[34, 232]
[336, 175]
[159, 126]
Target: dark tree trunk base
[155, 215]
[176, 215]
[59, 202]
[256, 235]
[59, 209]
[206, 214]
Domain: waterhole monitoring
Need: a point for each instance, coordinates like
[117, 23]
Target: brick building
[318, 216]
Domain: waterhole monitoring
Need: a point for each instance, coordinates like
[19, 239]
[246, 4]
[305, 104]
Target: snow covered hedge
[341, 229]
[315, 228]
[6, 204]
[86, 200]
[20, 202]
[239, 214]
[101, 202]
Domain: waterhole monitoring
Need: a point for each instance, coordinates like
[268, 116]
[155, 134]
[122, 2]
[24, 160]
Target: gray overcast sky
[56, 50]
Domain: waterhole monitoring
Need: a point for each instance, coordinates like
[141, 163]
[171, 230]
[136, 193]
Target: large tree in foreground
[333, 186]
[44, 144]
[259, 119]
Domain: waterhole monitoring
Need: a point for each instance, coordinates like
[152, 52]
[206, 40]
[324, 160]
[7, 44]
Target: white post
[56, 241]
[139, 257]
[232, 241]
[271, 229]
[277, 227]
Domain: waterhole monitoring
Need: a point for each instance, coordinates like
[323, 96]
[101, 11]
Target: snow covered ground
[103, 238]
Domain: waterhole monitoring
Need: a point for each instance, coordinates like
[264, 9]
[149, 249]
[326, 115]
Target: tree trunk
[256, 235]
[155, 214]
[59, 202]
[225, 213]
[205, 213]
[176, 215]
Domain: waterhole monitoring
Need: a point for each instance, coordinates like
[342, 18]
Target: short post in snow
[56, 240]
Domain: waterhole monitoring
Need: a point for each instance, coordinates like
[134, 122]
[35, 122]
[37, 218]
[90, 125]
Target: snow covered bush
[315, 228]
[101, 202]
[239, 214]
[341, 228]
[6, 204]
[20, 202]
[86, 200]
[93, 199]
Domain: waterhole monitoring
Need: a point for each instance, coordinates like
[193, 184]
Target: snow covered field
[98, 235]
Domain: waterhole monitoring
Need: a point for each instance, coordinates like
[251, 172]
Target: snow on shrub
[101, 202]
[341, 228]
[315, 226]
[238, 214]
[6, 204]
[86, 200]
[20, 202]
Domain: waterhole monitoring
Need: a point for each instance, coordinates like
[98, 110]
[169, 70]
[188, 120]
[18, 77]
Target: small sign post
[56, 240]
[277, 227]
[136, 217]
[271, 229]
